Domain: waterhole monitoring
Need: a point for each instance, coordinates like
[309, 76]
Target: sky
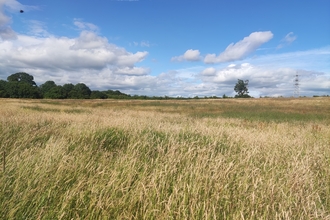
[171, 48]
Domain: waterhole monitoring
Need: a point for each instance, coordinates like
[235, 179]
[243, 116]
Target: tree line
[22, 85]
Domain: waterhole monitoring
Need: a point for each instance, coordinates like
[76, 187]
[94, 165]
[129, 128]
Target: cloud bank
[266, 81]
[62, 59]
[86, 51]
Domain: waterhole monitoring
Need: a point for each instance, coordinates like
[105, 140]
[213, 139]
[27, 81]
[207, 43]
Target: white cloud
[145, 44]
[87, 51]
[64, 59]
[129, 59]
[6, 33]
[189, 55]
[137, 71]
[265, 81]
[12, 6]
[230, 74]
[211, 71]
[4, 19]
[192, 55]
[85, 25]
[141, 44]
[287, 40]
[89, 40]
[240, 49]
[290, 37]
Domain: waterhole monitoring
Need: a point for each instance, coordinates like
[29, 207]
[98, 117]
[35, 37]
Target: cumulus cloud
[240, 49]
[287, 40]
[64, 59]
[211, 71]
[227, 74]
[89, 58]
[189, 55]
[89, 40]
[87, 51]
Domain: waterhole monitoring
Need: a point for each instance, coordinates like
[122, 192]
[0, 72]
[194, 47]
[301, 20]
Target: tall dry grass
[201, 159]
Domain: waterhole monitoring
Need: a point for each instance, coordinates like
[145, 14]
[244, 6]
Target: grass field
[170, 159]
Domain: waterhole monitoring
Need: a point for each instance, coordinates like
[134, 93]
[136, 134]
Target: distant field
[169, 159]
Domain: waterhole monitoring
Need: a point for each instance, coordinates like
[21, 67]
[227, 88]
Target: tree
[67, 89]
[22, 90]
[80, 91]
[98, 95]
[22, 77]
[116, 94]
[46, 87]
[3, 89]
[21, 85]
[241, 88]
[56, 92]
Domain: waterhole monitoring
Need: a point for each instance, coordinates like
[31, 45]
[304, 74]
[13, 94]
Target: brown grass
[188, 159]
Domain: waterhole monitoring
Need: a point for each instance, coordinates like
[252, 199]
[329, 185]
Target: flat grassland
[170, 159]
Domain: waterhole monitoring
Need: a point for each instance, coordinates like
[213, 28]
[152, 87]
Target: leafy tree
[22, 77]
[80, 91]
[28, 91]
[3, 89]
[241, 88]
[12, 89]
[21, 85]
[22, 90]
[57, 92]
[67, 89]
[44, 88]
[98, 95]
[116, 94]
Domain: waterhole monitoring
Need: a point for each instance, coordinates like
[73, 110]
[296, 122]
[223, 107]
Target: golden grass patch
[171, 159]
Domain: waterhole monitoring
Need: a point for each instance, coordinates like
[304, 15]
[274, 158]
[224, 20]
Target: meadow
[170, 159]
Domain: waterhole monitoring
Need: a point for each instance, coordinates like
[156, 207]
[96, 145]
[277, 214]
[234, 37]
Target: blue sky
[166, 47]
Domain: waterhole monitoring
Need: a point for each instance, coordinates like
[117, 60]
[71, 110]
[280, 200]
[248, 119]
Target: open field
[171, 159]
